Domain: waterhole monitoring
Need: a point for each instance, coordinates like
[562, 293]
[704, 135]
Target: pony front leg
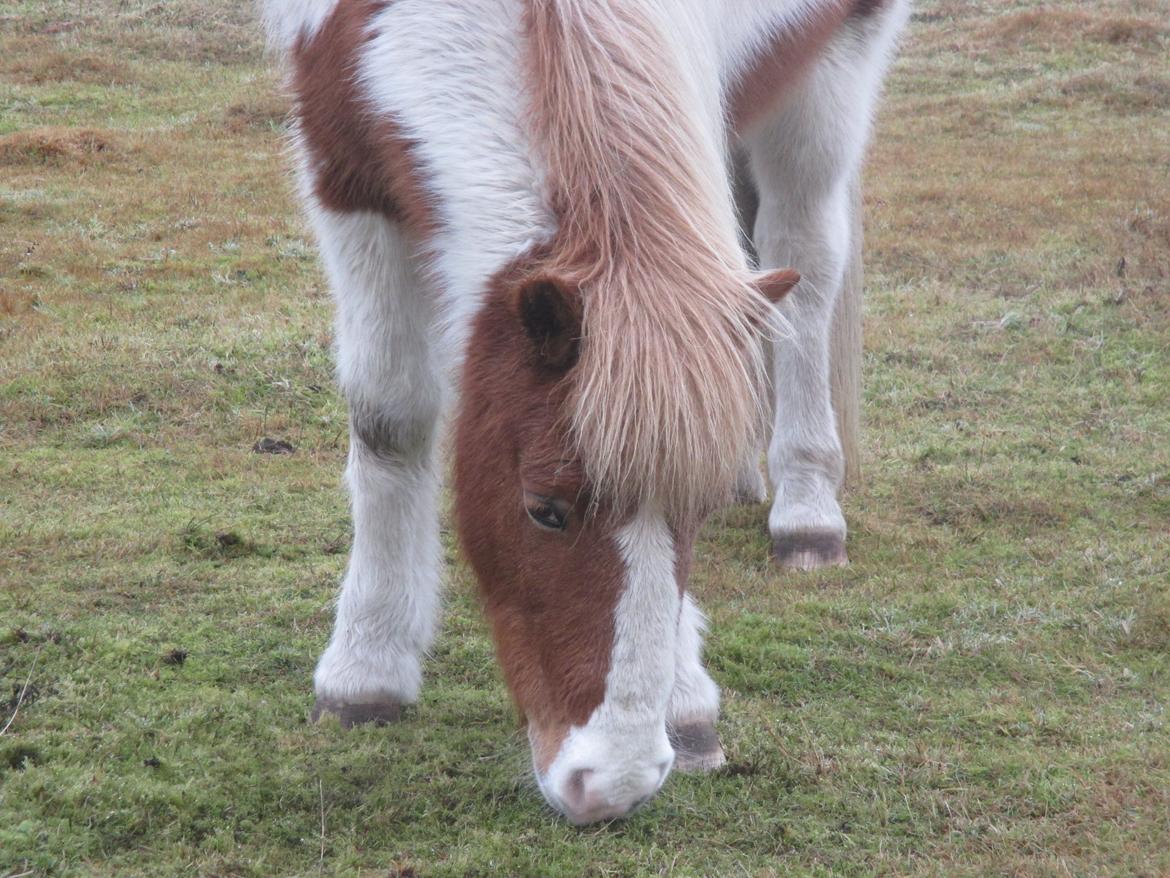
[388, 608]
[694, 700]
[803, 159]
[389, 604]
[805, 461]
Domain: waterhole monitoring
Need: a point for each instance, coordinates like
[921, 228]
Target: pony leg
[694, 700]
[750, 486]
[803, 160]
[389, 604]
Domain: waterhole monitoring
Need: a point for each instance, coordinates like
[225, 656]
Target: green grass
[983, 692]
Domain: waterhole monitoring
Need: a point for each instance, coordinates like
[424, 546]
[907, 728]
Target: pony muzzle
[598, 776]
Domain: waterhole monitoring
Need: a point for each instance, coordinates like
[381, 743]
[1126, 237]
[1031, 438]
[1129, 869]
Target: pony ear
[775, 285]
[549, 316]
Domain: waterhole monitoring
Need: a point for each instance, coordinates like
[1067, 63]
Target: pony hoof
[809, 551]
[696, 748]
[377, 712]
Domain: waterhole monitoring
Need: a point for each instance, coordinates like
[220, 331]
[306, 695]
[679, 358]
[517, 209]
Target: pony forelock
[669, 395]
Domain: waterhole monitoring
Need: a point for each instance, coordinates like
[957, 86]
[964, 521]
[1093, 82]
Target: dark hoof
[377, 712]
[809, 551]
[696, 748]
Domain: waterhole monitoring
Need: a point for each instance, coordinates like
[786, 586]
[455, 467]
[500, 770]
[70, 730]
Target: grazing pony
[539, 203]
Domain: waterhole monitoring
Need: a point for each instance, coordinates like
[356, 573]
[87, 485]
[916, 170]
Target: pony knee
[395, 434]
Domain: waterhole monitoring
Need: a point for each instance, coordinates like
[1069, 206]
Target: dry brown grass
[188, 31]
[1055, 27]
[40, 60]
[268, 113]
[1134, 92]
[57, 145]
[1058, 131]
[13, 304]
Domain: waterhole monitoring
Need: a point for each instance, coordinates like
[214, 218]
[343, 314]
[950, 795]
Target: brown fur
[546, 594]
[359, 162]
[787, 57]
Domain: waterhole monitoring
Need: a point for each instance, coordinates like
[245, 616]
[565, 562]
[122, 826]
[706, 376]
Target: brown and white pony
[531, 201]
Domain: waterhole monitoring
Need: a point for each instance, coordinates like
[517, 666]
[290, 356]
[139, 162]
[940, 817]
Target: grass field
[983, 692]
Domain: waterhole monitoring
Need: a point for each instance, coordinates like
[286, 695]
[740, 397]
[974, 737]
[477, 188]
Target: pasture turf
[983, 692]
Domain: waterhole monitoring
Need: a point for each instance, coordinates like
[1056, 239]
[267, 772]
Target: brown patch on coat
[359, 161]
[866, 8]
[788, 57]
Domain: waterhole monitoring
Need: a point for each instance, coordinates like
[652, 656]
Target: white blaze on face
[621, 756]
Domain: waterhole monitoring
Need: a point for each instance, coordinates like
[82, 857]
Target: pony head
[583, 575]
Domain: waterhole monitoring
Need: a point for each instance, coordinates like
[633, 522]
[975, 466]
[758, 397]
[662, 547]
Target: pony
[571, 225]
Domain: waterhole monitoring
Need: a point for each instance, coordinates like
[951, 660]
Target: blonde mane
[669, 393]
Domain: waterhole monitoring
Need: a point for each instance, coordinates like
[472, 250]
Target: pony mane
[668, 398]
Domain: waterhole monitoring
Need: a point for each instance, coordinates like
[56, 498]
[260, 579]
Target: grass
[983, 692]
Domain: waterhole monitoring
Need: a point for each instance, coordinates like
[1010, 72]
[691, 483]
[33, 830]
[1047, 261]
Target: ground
[983, 691]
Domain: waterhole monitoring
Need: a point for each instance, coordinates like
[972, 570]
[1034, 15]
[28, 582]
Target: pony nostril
[664, 769]
[575, 788]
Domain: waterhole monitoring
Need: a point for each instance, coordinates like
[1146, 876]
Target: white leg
[389, 604]
[694, 701]
[804, 458]
[802, 162]
[750, 486]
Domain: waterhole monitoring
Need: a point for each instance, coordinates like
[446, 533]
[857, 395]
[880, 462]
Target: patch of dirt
[268, 445]
[20, 635]
[61, 27]
[1142, 271]
[20, 757]
[21, 697]
[219, 545]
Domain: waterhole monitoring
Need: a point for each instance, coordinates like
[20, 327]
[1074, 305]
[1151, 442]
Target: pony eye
[547, 512]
